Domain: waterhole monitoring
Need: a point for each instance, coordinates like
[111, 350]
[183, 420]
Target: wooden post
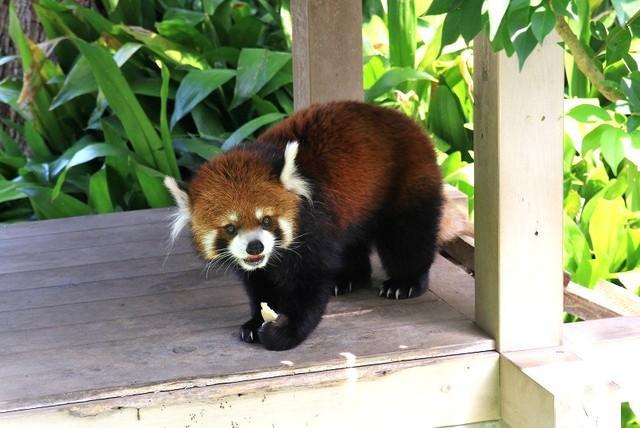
[518, 203]
[327, 51]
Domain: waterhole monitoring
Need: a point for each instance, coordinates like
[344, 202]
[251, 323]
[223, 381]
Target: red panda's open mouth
[254, 260]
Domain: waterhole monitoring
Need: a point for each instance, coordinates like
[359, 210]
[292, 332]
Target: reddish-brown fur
[352, 152]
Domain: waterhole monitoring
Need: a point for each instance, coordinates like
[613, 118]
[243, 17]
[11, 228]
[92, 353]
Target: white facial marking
[259, 213]
[290, 178]
[287, 231]
[209, 244]
[233, 216]
[238, 247]
[182, 216]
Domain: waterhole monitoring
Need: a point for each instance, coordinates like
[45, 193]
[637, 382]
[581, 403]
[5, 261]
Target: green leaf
[165, 133]
[522, 38]
[589, 113]
[249, 128]
[542, 22]
[256, 67]
[195, 87]
[470, 19]
[202, 148]
[393, 78]
[154, 191]
[612, 145]
[446, 118]
[87, 154]
[443, 6]
[401, 21]
[496, 10]
[572, 204]
[123, 102]
[80, 80]
[607, 231]
[618, 45]
[47, 207]
[39, 149]
[99, 196]
[10, 191]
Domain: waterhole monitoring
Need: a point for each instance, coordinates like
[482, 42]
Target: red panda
[298, 211]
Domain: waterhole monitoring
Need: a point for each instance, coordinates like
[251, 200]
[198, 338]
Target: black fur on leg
[355, 270]
[406, 243]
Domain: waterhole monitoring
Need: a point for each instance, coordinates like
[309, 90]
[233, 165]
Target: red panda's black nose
[255, 247]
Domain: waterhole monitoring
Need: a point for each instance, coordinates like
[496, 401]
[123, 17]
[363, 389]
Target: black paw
[342, 286]
[393, 289]
[249, 331]
[347, 285]
[278, 335]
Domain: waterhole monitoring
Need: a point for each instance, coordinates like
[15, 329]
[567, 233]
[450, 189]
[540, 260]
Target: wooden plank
[132, 250]
[75, 275]
[518, 204]
[92, 222]
[213, 356]
[177, 312]
[446, 391]
[74, 240]
[327, 51]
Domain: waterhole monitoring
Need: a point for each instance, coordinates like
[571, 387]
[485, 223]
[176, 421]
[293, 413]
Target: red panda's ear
[183, 215]
[289, 177]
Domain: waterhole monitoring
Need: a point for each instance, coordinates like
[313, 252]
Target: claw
[389, 291]
[410, 292]
[242, 334]
[380, 292]
[251, 336]
[335, 290]
[350, 286]
[397, 294]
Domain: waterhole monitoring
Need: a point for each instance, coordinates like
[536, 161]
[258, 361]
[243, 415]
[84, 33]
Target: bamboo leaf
[45, 206]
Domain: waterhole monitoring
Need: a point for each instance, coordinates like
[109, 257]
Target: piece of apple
[267, 313]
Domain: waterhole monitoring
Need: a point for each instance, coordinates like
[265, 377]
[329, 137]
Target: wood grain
[518, 200]
[109, 316]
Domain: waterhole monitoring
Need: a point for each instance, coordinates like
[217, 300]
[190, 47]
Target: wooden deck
[94, 313]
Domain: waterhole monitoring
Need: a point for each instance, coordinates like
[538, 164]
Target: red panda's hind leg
[355, 270]
[407, 244]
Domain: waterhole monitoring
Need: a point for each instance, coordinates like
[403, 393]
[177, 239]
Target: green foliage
[152, 89]
[602, 193]
[413, 68]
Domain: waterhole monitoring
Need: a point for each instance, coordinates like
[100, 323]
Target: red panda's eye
[230, 229]
[266, 221]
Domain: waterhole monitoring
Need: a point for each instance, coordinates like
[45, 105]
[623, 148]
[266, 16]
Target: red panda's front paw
[279, 335]
[249, 331]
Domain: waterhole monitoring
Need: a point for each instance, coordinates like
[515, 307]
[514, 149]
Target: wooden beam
[437, 392]
[578, 384]
[327, 51]
[518, 203]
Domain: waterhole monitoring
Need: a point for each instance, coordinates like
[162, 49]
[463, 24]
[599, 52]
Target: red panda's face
[240, 210]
